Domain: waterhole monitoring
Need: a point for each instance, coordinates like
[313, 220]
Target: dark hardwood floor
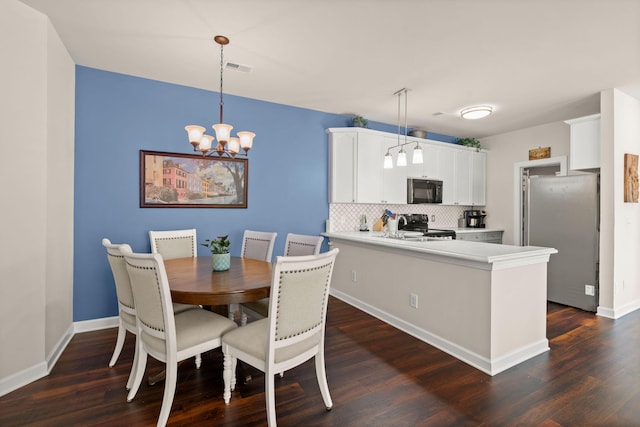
[378, 376]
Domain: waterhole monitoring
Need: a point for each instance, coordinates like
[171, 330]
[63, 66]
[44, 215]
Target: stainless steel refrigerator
[563, 213]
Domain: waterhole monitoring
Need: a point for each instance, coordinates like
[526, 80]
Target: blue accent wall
[118, 115]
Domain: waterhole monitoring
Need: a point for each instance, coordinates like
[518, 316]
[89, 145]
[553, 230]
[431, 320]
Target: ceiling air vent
[237, 67]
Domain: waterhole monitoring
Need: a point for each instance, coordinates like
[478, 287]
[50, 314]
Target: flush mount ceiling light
[227, 145]
[476, 112]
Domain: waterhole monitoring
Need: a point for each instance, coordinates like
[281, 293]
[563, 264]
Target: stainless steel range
[420, 222]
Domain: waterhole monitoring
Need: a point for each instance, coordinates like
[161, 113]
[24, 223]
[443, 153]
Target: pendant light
[227, 145]
[402, 154]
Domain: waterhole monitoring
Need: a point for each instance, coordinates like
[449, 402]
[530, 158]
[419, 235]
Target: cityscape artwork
[173, 180]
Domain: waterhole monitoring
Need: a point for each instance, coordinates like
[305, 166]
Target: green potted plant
[469, 142]
[220, 256]
[360, 122]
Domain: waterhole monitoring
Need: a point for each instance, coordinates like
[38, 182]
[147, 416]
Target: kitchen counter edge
[495, 256]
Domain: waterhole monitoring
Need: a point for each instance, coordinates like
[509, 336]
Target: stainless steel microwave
[420, 190]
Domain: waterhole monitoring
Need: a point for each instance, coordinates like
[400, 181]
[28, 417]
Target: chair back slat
[258, 245]
[174, 243]
[300, 245]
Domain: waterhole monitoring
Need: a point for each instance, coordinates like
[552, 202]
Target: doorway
[552, 165]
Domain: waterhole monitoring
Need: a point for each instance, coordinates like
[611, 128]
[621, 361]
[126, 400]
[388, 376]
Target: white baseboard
[491, 367]
[95, 324]
[42, 369]
[55, 353]
[22, 378]
[616, 313]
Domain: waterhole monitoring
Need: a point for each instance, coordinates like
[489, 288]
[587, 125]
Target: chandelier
[227, 145]
[402, 155]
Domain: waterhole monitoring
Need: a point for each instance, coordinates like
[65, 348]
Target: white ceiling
[536, 61]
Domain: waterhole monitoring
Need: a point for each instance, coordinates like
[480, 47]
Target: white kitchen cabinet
[584, 142]
[478, 178]
[464, 183]
[342, 156]
[434, 160]
[447, 172]
[462, 180]
[369, 161]
[357, 174]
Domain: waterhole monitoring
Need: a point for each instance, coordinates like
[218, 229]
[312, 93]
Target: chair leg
[139, 371]
[122, 332]
[321, 374]
[243, 317]
[134, 366]
[269, 388]
[231, 308]
[228, 375]
[169, 392]
[234, 364]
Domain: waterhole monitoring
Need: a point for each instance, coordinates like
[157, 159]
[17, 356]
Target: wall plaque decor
[173, 180]
[631, 178]
[540, 153]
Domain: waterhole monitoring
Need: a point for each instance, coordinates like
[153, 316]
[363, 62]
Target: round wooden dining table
[193, 281]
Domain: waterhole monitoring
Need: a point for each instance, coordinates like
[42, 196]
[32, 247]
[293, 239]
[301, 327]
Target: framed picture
[540, 153]
[173, 180]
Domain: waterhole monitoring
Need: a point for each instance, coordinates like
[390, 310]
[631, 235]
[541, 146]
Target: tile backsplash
[346, 216]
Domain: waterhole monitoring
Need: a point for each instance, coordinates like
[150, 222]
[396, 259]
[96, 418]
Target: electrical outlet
[354, 276]
[433, 218]
[589, 290]
[414, 301]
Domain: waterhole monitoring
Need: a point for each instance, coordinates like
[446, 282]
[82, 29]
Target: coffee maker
[474, 218]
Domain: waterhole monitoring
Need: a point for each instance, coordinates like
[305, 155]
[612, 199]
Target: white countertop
[490, 253]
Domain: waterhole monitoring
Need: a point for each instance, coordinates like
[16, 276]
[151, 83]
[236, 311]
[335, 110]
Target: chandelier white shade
[227, 145]
[476, 112]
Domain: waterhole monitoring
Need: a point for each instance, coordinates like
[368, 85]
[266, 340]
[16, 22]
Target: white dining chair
[294, 331]
[163, 335]
[126, 303]
[255, 245]
[295, 245]
[176, 244]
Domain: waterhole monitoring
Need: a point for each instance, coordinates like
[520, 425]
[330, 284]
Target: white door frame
[518, 169]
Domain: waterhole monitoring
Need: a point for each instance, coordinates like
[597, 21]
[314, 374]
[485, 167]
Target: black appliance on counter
[475, 218]
[420, 222]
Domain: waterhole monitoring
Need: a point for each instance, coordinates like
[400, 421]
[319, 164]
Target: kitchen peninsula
[483, 303]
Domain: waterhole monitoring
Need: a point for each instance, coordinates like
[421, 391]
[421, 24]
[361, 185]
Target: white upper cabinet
[584, 143]
[369, 160]
[357, 174]
[342, 156]
[479, 178]
[447, 174]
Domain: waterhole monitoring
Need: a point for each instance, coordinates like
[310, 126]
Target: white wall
[504, 151]
[620, 231]
[36, 132]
